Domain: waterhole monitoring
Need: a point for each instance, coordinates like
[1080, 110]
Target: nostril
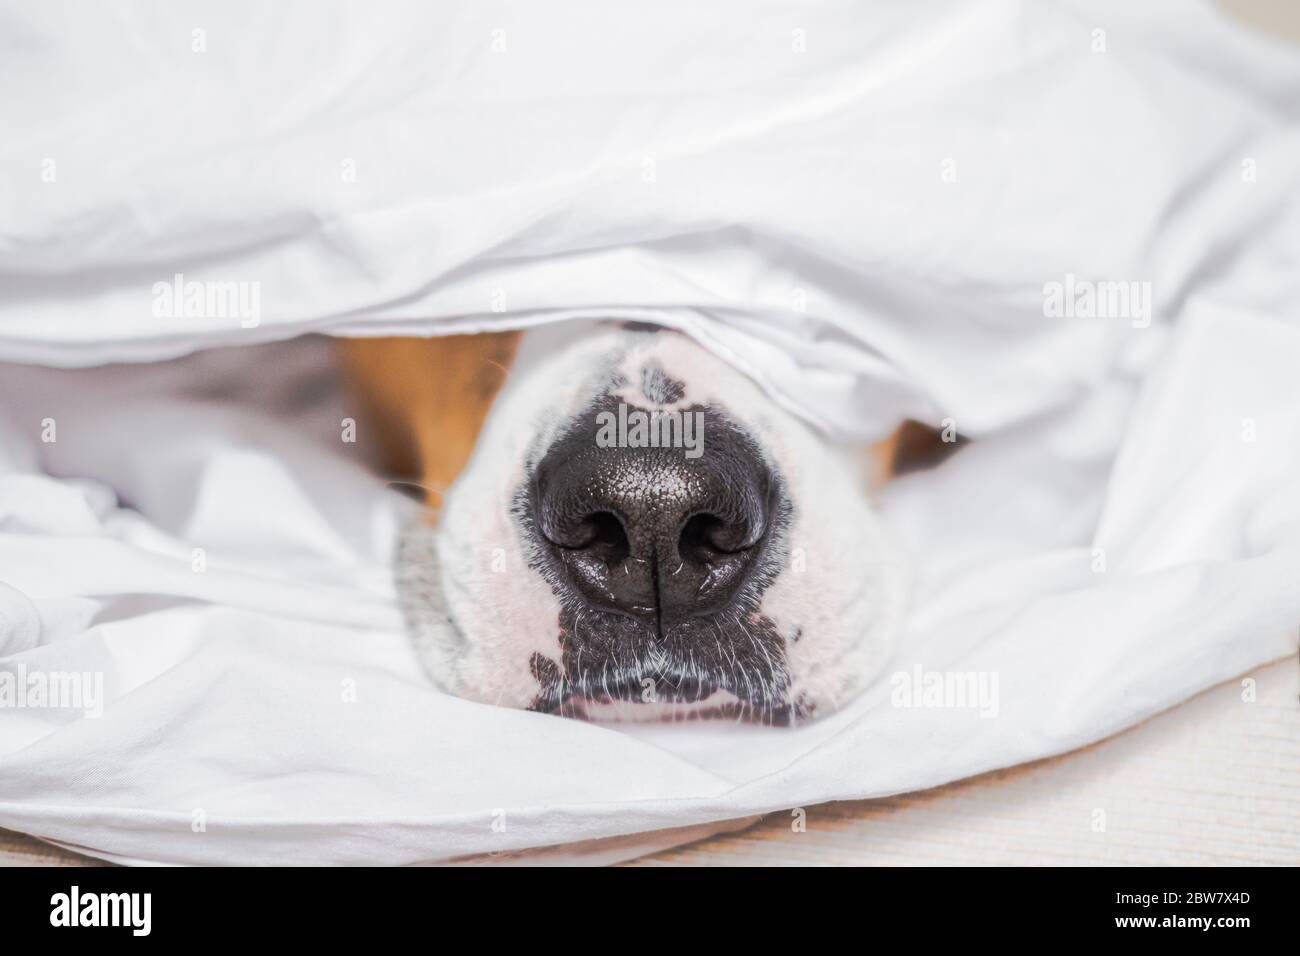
[706, 536]
[600, 534]
[604, 537]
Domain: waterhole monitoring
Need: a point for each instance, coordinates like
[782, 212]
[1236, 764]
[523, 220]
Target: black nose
[652, 532]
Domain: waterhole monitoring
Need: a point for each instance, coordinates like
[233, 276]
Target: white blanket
[875, 212]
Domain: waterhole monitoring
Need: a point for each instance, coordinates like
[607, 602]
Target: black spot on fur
[658, 387]
[547, 674]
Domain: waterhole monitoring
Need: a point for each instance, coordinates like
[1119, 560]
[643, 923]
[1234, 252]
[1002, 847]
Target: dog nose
[650, 532]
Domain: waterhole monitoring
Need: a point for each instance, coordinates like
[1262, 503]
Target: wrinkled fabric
[874, 211]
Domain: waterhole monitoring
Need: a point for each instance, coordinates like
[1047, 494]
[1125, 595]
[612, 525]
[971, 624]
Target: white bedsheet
[862, 209]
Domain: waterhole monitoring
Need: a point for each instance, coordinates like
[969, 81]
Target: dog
[621, 526]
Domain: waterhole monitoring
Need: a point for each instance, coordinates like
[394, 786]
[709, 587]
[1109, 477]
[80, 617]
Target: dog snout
[652, 533]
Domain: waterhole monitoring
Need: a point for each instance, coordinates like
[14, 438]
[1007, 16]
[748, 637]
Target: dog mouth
[673, 689]
[613, 667]
[670, 696]
[719, 706]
